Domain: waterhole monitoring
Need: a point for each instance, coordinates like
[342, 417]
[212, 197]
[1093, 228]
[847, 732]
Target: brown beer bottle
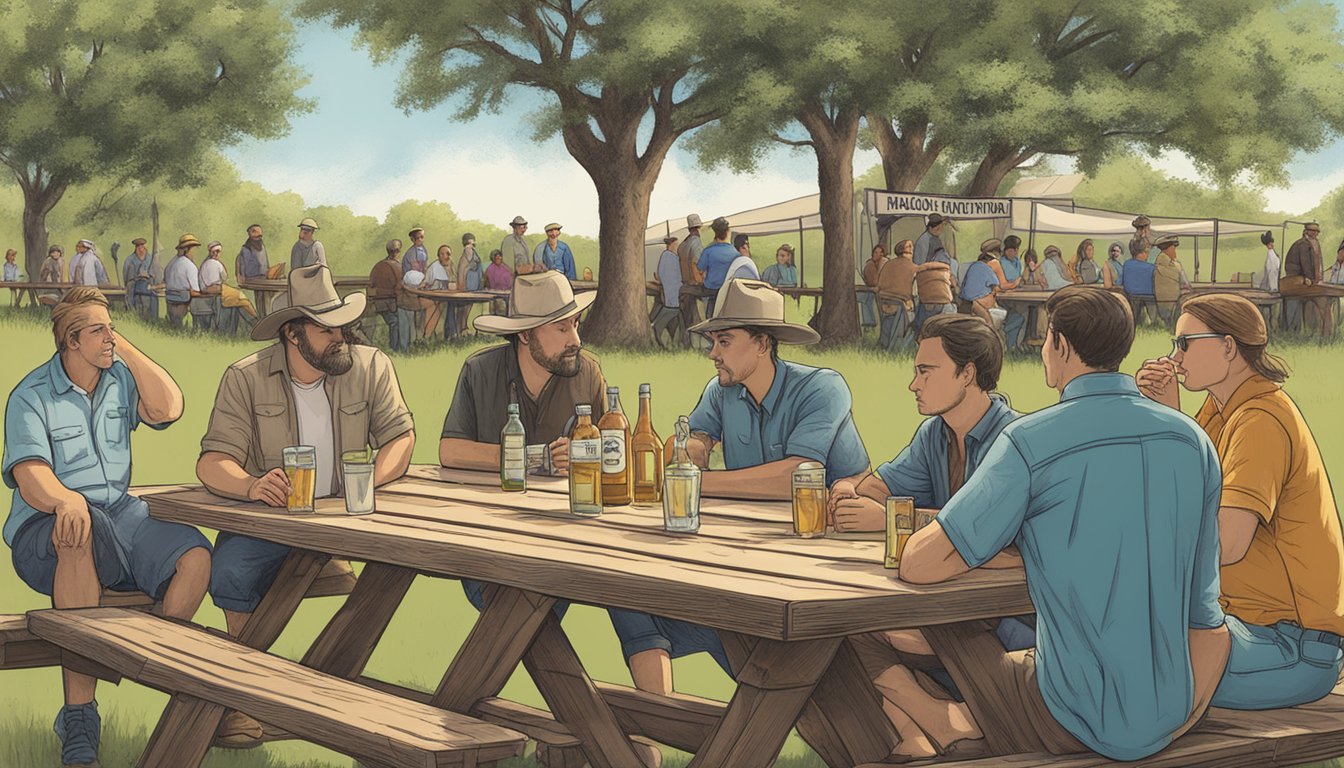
[646, 450]
[616, 474]
[585, 465]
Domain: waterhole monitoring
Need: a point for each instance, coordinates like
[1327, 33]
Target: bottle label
[613, 451]
[515, 463]
[585, 450]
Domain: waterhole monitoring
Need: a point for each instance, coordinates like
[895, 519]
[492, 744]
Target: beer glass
[681, 498]
[809, 500]
[900, 527]
[357, 478]
[301, 470]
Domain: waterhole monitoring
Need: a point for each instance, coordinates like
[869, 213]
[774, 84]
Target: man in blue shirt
[72, 526]
[553, 254]
[1137, 280]
[416, 257]
[1112, 501]
[931, 240]
[715, 259]
[770, 415]
[138, 277]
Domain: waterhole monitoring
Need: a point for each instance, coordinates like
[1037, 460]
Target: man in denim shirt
[72, 526]
[1112, 501]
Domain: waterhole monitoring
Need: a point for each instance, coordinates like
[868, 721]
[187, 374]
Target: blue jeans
[867, 309]
[925, 311]
[1279, 666]
[895, 334]
[242, 571]
[476, 596]
[639, 632]
[1012, 328]
[393, 329]
[406, 324]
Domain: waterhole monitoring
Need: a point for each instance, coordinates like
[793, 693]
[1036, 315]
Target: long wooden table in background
[265, 289]
[109, 290]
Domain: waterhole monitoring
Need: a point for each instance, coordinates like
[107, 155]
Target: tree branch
[791, 142]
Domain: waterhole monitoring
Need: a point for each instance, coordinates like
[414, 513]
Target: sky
[356, 148]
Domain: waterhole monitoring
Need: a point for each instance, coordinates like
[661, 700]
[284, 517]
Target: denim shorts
[1277, 666]
[131, 550]
[242, 570]
[639, 632]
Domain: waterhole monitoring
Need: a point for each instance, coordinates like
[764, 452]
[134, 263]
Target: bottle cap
[644, 389]
[513, 409]
[583, 410]
[613, 390]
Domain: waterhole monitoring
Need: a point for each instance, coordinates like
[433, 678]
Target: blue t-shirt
[806, 413]
[85, 441]
[980, 281]
[1137, 277]
[921, 471]
[714, 262]
[785, 275]
[1113, 501]
[1012, 268]
[561, 259]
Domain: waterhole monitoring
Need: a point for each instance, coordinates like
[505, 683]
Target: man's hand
[271, 489]
[842, 489]
[1156, 380]
[698, 447]
[560, 456]
[859, 513]
[72, 522]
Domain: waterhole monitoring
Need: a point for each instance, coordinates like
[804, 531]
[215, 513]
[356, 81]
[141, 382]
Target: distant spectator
[182, 280]
[782, 274]
[470, 277]
[1138, 284]
[1336, 274]
[1168, 278]
[1302, 268]
[498, 276]
[895, 297]
[384, 286]
[876, 260]
[688, 253]
[307, 251]
[409, 305]
[252, 262]
[1269, 281]
[1113, 270]
[936, 288]
[440, 277]
[931, 240]
[140, 275]
[86, 268]
[1031, 271]
[1084, 266]
[516, 249]
[552, 253]
[667, 306]
[982, 285]
[1142, 240]
[1011, 261]
[1057, 274]
[416, 257]
[11, 268]
[588, 274]
[742, 267]
[715, 259]
[205, 311]
[51, 271]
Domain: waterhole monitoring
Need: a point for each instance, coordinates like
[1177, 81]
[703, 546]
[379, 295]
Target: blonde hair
[71, 313]
[1228, 314]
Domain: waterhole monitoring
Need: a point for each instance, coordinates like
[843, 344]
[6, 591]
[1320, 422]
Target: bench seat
[183, 659]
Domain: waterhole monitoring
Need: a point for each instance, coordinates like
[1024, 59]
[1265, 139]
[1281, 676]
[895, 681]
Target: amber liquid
[302, 481]
[646, 452]
[893, 559]
[585, 469]
[617, 479]
[809, 512]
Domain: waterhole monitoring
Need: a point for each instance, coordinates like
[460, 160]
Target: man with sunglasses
[72, 526]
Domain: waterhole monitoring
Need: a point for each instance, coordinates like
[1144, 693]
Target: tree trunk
[620, 316]
[999, 161]
[834, 142]
[38, 200]
[906, 157]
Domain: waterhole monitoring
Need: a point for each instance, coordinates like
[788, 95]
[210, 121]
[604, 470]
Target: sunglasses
[1182, 342]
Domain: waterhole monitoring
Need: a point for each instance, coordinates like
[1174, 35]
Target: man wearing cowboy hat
[416, 258]
[182, 280]
[667, 304]
[770, 415]
[1142, 240]
[928, 243]
[516, 249]
[1303, 267]
[1169, 280]
[692, 279]
[307, 251]
[139, 277]
[86, 268]
[315, 385]
[551, 253]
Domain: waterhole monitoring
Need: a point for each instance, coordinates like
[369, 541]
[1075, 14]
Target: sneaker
[79, 728]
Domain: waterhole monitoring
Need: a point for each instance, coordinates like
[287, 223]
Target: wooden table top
[281, 284]
[484, 294]
[743, 572]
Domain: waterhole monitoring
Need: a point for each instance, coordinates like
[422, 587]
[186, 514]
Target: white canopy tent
[796, 215]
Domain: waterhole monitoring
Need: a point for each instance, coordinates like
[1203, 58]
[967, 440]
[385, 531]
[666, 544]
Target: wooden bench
[1226, 739]
[188, 662]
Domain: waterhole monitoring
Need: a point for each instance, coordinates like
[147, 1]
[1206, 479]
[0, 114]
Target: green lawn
[436, 609]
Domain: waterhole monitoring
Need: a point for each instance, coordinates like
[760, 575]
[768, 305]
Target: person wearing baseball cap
[516, 249]
[552, 253]
[307, 251]
[931, 240]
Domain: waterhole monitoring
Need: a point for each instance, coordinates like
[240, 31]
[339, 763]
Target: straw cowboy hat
[312, 295]
[308, 223]
[535, 300]
[755, 303]
[187, 241]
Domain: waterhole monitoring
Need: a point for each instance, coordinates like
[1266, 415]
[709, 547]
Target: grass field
[883, 409]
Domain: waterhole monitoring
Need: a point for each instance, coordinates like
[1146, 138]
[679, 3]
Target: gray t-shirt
[180, 277]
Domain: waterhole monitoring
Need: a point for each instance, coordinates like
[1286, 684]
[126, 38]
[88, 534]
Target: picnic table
[265, 288]
[783, 607]
[109, 290]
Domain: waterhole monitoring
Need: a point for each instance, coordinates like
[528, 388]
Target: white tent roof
[1047, 187]
[1074, 220]
[788, 216]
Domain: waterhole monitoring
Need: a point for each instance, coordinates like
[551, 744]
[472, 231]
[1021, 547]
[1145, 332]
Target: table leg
[345, 645]
[844, 721]
[978, 664]
[773, 686]
[491, 652]
[187, 726]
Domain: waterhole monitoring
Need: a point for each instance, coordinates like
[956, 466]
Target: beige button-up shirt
[254, 417]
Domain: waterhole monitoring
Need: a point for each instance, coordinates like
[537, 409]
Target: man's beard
[335, 360]
[254, 243]
[564, 364]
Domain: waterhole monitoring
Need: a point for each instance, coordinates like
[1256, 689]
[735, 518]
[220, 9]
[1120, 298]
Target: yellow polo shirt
[1294, 570]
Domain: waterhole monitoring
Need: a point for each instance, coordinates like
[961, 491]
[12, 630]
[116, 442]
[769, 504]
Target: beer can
[900, 527]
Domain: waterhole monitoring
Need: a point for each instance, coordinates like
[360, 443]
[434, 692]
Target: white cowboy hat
[756, 303]
[312, 295]
[536, 299]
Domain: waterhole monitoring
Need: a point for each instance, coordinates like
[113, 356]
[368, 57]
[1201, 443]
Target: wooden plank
[21, 649]
[497, 641]
[555, 485]
[183, 735]
[774, 684]
[348, 640]
[337, 714]
[679, 721]
[278, 605]
[845, 713]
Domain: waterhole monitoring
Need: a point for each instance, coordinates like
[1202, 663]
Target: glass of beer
[357, 475]
[809, 500]
[900, 527]
[301, 470]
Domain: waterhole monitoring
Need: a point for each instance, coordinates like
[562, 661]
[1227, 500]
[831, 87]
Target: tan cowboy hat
[536, 299]
[188, 241]
[756, 303]
[693, 221]
[308, 224]
[312, 295]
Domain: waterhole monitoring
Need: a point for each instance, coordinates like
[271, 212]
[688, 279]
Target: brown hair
[757, 332]
[1228, 314]
[1098, 325]
[68, 314]
[900, 247]
[968, 339]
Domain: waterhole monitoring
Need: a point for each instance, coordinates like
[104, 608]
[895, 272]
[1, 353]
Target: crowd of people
[1198, 561]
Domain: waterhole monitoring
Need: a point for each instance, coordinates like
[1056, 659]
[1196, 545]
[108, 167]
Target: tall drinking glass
[301, 470]
[357, 473]
[809, 500]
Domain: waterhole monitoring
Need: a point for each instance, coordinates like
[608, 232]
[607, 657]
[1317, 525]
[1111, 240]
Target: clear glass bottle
[585, 464]
[513, 453]
[646, 452]
[616, 474]
[681, 485]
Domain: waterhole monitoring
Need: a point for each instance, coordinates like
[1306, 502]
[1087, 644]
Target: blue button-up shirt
[806, 414]
[561, 259]
[980, 281]
[416, 258]
[921, 471]
[925, 246]
[1012, 268]
[714, 262]
[11, 272]
[1137, 277]
[85, 440]
[1113, 501]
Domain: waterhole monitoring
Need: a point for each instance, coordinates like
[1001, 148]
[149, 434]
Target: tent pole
[1031, 235]
[1213, 267]
[1196, 239]
[802, 281]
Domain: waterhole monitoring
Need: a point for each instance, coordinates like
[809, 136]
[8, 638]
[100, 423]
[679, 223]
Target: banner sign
[882, 203]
